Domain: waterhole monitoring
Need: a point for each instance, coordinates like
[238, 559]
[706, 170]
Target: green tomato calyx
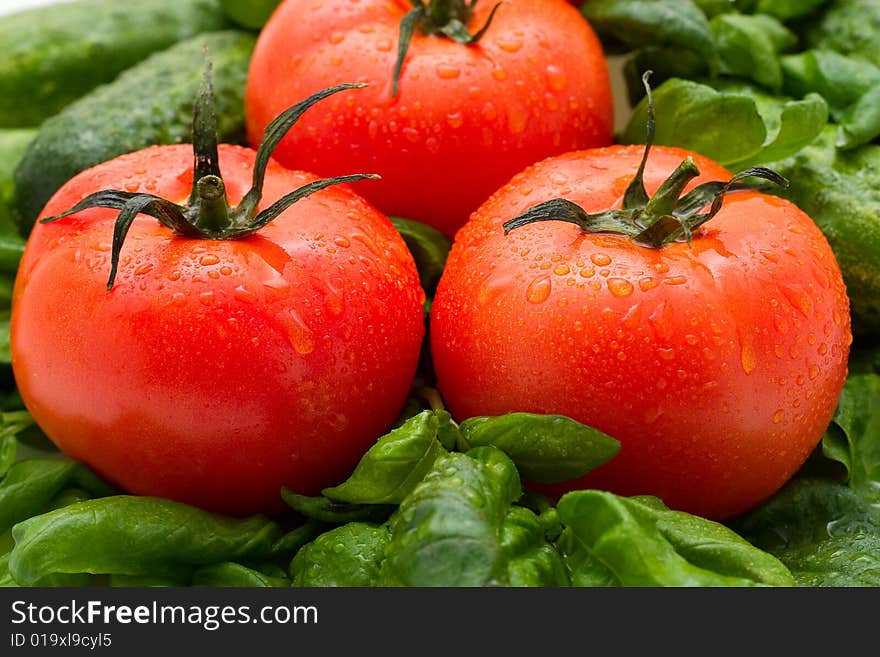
[443, 17]
[207, 214]
[657, 220]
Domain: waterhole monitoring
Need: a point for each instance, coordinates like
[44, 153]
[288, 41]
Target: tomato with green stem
[705, 327]
[462, 95]
[260, 327]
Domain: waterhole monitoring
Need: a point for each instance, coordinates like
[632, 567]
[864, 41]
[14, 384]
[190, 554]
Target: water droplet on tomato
[517, 119]
[208, 259]
[244, 294]
[799, 299]
[620, 287]
[301, 336]
[455, 119]
[499, 74]
[747, 358]
[556, 79]
[145, 268]
[489, 112]
[778, 415]
[206, 298]
[646, 284]
[132, 186]
[666, 353]
[509, 44]
[675, 280]
[447, 71]
[336, 37]
[384, 45]
[539, 290]
[600, 259]
[562, 270]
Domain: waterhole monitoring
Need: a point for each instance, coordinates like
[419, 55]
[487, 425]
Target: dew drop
[131, 186]
[747, 358]
[208, 259]
[455, 119]
[777, 416]
[562, 270]
[447, 71]
[489, 112]
[206, 298]
[666, 354]
[600, 259]
[243, 294]
[620, 287]
[556, 78]
[499, 74]
[341, 242]
[517, 119]
[539, 290]
[509, 44]
[646, 284]
[301, 337]
[384, 45]
[675, 280]
[145, 268]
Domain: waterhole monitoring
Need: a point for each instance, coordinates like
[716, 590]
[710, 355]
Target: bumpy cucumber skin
[151, 103]
[840, 190]
[53, 55]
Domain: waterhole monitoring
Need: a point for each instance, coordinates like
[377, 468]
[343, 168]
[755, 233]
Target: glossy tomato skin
[466, 118]
[717, 364]
[214, 372]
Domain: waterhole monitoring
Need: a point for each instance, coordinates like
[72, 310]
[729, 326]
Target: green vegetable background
[793, 85]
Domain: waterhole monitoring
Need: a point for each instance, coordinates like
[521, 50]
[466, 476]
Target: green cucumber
[150, 103]
[13, 144]
[53, 55]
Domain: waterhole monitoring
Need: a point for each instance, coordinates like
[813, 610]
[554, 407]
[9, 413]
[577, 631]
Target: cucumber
[12, 146]
[53, 55]
[150, 103]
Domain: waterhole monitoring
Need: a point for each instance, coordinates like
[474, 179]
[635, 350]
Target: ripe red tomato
[216, 371]
[466, 117]
[717, 364]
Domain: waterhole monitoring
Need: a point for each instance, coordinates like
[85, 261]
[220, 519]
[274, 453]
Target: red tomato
[466, 117]
[216, 371]
[717, 364]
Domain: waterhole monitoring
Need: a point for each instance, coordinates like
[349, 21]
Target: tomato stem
[448, 18]
[651, 221]
[207, 214]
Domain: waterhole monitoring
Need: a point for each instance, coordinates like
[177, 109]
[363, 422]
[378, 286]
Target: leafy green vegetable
[665, 24]
[135, 536]
[748, 47]
[840, 80]
[850, 27]
[348, 556]
[448, 531]
[788, 9]
[545, 448]
[822, 530]
[860, 123]
[394, 465]
[853, 438]
[31, 486]
[733, 126]
[527, 558]
[326, 510]
[639, 542]
[231, 574]
[429, 248]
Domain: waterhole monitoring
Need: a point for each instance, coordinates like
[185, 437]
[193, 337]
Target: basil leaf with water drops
[347, 556]
[448, 531]
[545, 448]
[640, 542]
[134, 536]
[392, 467]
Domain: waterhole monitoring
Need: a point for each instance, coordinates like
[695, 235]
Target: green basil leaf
[392, 467]
[856, 442]
[231, 574]
[788, 9]
[677, 24]
[527, 558]
[326, 510]
[134, 535]
[748, 47]
[850, 27]
[860, 122]
[723, 127]
[839, 79]
[31, 485]
[824, 532]
[642, 543]
[545, 448]
[712, 8]
[347, 556]
[447, 532]
[584, 570]
[67, 580]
